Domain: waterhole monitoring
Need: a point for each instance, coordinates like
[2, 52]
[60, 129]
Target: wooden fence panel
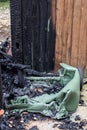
[33, 33]
[71, 33]
[76, 32]
[82, 53]
[59, 31]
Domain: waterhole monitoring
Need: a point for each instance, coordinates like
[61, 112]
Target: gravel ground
[4, 23]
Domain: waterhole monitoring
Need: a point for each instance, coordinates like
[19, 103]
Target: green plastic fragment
[57, 105]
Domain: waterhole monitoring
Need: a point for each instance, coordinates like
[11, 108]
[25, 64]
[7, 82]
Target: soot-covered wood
[16, 30]
[33, 34]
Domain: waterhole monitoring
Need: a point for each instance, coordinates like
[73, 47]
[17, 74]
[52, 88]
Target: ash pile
[16, 82]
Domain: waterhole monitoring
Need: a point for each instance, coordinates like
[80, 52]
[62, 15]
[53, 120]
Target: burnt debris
[14, 77]
[4, 46]
[34, 128]
[15, 83]
[12, 121]
[68, 124]
[14, 80]
[1, 93]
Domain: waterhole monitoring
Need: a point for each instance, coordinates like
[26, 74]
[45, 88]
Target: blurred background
[4, 19]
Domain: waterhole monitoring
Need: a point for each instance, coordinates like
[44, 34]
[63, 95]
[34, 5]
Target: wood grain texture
[59, 31]
[76, 32]
[82, 52]
[54, 13]
[71, 33]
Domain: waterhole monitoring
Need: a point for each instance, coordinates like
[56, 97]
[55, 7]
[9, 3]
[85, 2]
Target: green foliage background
[5, 3]
[3, 0]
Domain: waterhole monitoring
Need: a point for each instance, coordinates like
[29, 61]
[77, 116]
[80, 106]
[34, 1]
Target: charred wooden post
[21, 78]
[50, 40]
[33, 34]
[16, 30]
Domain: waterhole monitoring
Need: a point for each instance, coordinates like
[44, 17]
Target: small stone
[22, 120]
[35, 118]
[10, 125]
[77, 118]
[11, 122]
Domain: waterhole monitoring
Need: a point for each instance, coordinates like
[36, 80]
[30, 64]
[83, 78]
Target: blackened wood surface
[26, 30]
[33, 33]
[50, 46]
[43, 30]
[16, 30]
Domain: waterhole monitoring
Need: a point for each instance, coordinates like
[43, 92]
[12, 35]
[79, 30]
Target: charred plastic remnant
[33, 34]
[10, 76]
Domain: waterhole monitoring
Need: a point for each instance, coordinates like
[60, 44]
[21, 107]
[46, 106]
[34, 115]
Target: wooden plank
[35, 48]
[59, 31]
[75, 32]
[27, 32]
[64, 32]
[54, 14]
[67, 31]
[53, 7]
[71, 33]
[50, 43]
[43, 32]
[82, 54]
[16, 30]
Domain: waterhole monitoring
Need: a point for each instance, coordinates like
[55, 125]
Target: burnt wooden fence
[68, 21]
[33, 34]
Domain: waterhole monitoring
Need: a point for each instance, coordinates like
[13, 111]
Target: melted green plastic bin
[57, 105]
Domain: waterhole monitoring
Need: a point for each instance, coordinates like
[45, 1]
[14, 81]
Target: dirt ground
[48, 124]
[4, 23]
